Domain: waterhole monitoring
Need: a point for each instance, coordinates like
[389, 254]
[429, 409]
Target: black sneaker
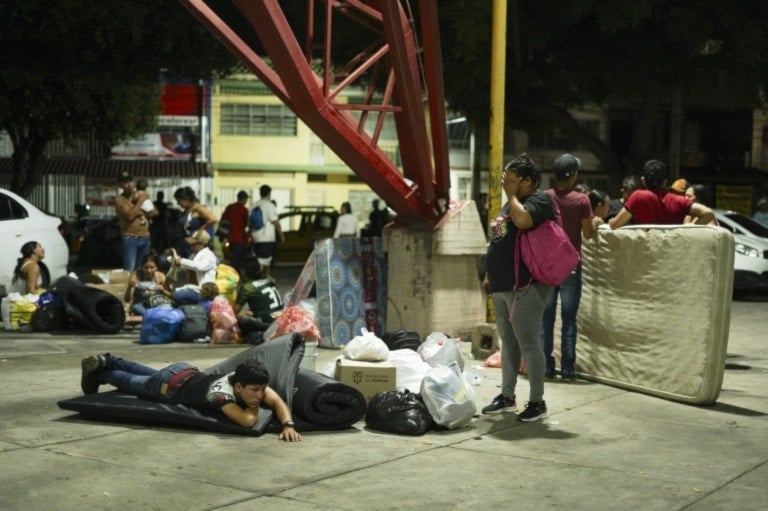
[568, 376]
[89, 380]
[534, 410]
[501, 404]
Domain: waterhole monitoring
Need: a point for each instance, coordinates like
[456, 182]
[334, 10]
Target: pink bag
[547, 252]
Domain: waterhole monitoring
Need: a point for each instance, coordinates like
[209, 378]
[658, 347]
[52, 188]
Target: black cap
[566, 165]
[124, 177]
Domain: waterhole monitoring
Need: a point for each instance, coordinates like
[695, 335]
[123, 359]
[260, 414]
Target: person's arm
[205, 214]
[279, 231]
[519, 215]
[127, 210]
[199, 264]
[245, 417]
[128, 297]
[588, 227]
[621, 219]
[283, 413]
[702, 214]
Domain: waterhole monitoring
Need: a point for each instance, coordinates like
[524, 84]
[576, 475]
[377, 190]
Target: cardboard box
[118, 276]
[369, 378]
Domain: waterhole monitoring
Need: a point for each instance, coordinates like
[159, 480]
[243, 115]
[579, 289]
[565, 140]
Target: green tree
[78, 68]
[567, 53]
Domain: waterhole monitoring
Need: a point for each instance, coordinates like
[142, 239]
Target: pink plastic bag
[224, 329]
[295, 320]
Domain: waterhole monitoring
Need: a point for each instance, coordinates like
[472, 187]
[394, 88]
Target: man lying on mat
[238, 394]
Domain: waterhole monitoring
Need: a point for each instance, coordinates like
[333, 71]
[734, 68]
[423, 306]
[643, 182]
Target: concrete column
[432, 282]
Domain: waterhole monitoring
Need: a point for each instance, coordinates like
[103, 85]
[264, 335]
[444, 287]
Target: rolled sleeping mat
[281, 356]
[90, 308]
[322, 403]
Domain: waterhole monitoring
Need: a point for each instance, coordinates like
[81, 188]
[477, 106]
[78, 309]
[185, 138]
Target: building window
[257, 120]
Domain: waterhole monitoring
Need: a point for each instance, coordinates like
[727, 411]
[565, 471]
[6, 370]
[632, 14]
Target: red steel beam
[313, 98]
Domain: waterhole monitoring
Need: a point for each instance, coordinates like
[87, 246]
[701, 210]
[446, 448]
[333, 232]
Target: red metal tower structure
[413, 75]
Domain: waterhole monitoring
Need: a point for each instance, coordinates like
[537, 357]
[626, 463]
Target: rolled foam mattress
[655, 310]
[90, 308]
[322, 403]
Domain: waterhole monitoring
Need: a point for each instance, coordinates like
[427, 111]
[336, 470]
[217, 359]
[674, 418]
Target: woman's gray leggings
[520, 337]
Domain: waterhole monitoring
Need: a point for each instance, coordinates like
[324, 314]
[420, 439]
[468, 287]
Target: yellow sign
[735, 198]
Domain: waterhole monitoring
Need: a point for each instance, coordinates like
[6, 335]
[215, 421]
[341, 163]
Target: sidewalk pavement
[601, 448]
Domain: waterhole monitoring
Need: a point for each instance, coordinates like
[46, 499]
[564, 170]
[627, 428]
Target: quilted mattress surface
[655, 310]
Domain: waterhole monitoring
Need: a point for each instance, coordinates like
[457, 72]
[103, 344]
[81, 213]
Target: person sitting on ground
[656, 205]
[27, 277]
[203, 263]
[208, 292]
[263, 300]
[346, 224]
[143, 284]
[237, 395]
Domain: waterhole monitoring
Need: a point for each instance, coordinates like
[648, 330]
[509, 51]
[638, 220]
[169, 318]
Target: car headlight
[746, 250]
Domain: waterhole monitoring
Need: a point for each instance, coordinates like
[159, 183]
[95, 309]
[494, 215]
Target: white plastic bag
[367, 347]
[411, 369]
[448, 397]
[439, 349]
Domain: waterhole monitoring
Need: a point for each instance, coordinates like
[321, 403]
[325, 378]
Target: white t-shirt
[346, 225]
[267, 233]
[203, 264]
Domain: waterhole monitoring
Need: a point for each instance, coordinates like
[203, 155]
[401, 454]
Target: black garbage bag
[402, 339]
[398, 412]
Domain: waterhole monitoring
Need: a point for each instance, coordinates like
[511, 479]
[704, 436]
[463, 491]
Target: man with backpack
[265, 228]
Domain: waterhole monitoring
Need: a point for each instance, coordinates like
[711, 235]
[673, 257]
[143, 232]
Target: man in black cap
[232, 225]
[575, 217]
[134, 226]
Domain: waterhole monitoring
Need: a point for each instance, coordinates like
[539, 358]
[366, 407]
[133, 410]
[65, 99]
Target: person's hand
[289, 434]
[486, 285]
[510, 183]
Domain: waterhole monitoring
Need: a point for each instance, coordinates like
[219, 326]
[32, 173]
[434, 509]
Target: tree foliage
[80, 68]
[568, 53]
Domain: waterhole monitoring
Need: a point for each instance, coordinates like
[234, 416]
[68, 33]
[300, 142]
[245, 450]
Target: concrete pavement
[600, 448]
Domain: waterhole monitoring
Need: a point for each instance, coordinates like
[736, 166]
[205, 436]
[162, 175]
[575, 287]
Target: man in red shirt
[655, 205]
[237, 216]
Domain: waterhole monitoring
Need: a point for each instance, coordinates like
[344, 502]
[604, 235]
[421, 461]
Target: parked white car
[751, 262]
[21, 222]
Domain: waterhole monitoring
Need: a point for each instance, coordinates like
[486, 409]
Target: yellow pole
[496, 128]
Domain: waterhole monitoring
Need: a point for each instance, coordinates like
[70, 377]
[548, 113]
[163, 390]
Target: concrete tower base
[432, 283]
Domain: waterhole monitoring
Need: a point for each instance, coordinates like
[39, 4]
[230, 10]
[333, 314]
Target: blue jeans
[236, 252]
[185, 297]
[134, 249]
[140, 380]
[570, 294]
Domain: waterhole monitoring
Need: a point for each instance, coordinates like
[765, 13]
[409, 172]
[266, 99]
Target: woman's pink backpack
[547, 253]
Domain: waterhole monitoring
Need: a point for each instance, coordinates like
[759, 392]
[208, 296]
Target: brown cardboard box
[369, 378]
[118, 276]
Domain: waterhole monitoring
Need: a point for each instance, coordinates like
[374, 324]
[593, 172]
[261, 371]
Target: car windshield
[749, 224]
